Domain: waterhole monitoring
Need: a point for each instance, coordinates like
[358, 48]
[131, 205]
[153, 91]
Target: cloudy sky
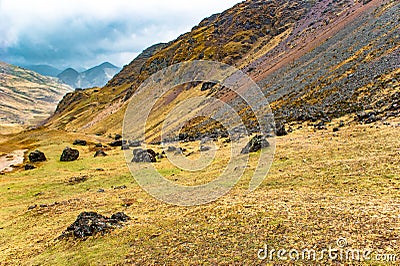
[80, 34]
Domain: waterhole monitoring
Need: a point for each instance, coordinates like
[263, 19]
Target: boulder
[204, 148]
[69, 155]
[134, 143]
[280, 129]
[117, 137]
[100, 153]
[36, 156]
[91, 223]
[116, 143]
[255, 144]
[29, 167]
[140, 156]
[80, 142]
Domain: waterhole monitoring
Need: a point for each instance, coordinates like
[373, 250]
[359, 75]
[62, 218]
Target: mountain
[97, 76]
[27, 97]
[69, 76]
[44, 70]
[314, 60]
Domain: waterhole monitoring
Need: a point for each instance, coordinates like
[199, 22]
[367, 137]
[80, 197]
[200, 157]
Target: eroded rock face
[36, 156]
[144, 156]
[69, 155]
[255, 144]
[91, 223]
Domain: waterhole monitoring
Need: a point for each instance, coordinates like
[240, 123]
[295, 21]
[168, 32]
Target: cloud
[85, 33]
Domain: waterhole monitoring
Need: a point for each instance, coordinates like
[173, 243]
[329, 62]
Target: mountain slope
[26, 97]
[339, 57]
[44, 70]
[97, 76]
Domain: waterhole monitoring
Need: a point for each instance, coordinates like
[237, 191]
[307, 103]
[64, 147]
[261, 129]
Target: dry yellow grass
[321, 186]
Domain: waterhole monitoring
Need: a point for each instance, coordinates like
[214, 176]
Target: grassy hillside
[322, 186]
[339, 57]
[26, 98]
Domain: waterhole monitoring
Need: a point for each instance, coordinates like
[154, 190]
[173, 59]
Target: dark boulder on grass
[144, 156]
[117, 143]
[80, 142]
[280, 129]
[36, 156]
[91, 223]
[69, 155]
[100, 153]
[255, 144]
[29, 167]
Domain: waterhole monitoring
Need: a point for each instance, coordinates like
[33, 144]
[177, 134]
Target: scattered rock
[101, 190]
[100, 153]
[280, 129]
[117, 143]
[204, 148]
[341, 123]
[77, 179]
[32, 207]
[140, 155]
[367, 118]
[171, 149]
[69, 155]
[335, 129]
[100, 169]
[29, 167]
[91, 223]
[320, 126]
[120, 187]
[120, 216]
[36, 156]
[99, 145]
[255, 144]
[134, 143]
[80, 142]
[125, 147]
[117, 137]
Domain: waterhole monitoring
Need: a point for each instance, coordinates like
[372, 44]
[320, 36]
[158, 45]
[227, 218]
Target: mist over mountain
[97, 76]
[45, 70]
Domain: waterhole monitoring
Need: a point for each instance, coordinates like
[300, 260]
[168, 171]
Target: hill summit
[96, 76]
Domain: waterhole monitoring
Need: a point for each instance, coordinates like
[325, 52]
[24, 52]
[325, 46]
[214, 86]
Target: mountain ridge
[96, 76]
[253, 34]
[26, 97]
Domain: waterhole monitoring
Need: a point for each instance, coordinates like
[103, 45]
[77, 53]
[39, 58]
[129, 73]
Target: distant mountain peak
[108, 65]
[97, 76]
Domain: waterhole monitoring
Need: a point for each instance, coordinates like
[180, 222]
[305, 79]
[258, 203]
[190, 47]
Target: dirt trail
[14, 158]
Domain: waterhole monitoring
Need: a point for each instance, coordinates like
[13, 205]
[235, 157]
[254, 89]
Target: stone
[69, 155]
[255, 144]
[36, 156]
[100, 153]
[29, 167]
[80, 142]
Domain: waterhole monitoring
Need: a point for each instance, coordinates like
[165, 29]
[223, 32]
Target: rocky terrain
[27, 98]
[313, 60]
[69, 193]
